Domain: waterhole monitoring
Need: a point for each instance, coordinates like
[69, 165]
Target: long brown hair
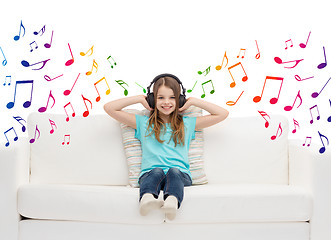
[176, 121]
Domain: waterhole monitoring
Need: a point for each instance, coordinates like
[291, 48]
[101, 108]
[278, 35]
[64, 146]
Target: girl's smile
[165, 102]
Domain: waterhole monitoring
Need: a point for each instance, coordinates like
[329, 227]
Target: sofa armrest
[312, 170]
[14, 171]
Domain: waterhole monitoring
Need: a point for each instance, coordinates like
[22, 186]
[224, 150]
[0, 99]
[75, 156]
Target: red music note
[95, 65]
[323, 65]
[70, 61]
[316, 94]
[322, 149]
[86, 113]
[231, 103]
[43, 109]
[19, 119]
[67, 92]
[281, 131]
[107, 91]
[272, 100]
[289, 108]
[52, 125]
[73, 111]
[290, 40]
[244, 50]
[302, 45]
[318, 117]
[48, 45]
[17, 37]
[15, 138]
[47, 78]
[306, 141]
[263, 114]
[27, 64]
[32, 140]
[280, 61]
[64, 139]
[244, 79]
[219, 67]
[27, 103]
[296, 124]
[90, 50]
[257, 56]
[298, 78]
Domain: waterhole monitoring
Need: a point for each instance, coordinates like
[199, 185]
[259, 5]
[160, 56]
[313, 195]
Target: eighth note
[110, 62]
[43, 109]
[36, 45]
[25, 104]
[211, 92]
[17, 37]
[244, 79]
[318, 116]
[15, 138]
[322, 149]
[67, 136]
[144, 90]
[290, 40]
[244, 50]
[281, 131]
[35, 133]
[289, 108]
[306, 142]
[219, 67]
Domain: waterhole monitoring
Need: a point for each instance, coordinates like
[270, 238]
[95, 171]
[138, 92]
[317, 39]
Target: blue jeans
[171, 183]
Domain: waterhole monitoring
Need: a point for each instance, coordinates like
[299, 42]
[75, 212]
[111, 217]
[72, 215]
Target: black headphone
[150, 96]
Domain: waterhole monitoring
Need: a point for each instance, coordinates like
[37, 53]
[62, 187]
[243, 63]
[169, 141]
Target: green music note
[211, 92]
[190, 90]
[121, 82]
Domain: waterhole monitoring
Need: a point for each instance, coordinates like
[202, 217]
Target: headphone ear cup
[150, 100]
[182, 100]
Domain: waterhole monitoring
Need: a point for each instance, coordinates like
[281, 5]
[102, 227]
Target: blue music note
[25, 104]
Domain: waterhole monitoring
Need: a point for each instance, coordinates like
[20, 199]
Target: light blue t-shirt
[164, 155]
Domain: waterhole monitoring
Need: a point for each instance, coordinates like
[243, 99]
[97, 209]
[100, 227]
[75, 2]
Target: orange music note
[272, 100]
[15, 138]
[281, 131]
[107, 91]
[263, 114]
[242, 49]
[289, 108]
[290, 40]
[90, 50]
[73, 111]
[67, 92]
[306, 142]
[257, 56]
[87, 112]
[322, 149]
[231, 103]
[219, 67]
[95, 65]
[43, 109]
[17, 37]
[52, 125]
[70, 61]
[67, 136]
[32, 140]
[318, 117]
[296, 124]
[211, 92]
[244, 79]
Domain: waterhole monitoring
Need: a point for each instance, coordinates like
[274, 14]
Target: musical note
[322, 65]
[211, 92]
[298, 78]
[42, 30]
[6, 80]
[25, 104]
[315, 94]
[47, 78]
[272, 100]
[144, 90]
[296, 124]
[219, 67]
[121, 82]
[207, 71]
[281, 131]
[302, 45]
[67, 92]
[322, 149]
[70, 61]
[27, 64]
[86, 113]
[306, 142]
[290, 40]
[36, 45]
[52, 125]
[32, 140]
[90, 50]
[289, 108]
[48, 45]
[263, 114]
[19, 119]
[280, 61]
[244, 79]
[95, 65]
[329, 118]
[190, 90]
[17, 37]
[107, 91]
[242, 49]
[43, 109]
[4, 62]
[318, 117]
[231, 103]
[73, 111]
[257, 56]
[110, 62]
[15, 138]
[64, 139]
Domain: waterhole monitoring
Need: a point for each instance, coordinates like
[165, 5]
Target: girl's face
[165, 102]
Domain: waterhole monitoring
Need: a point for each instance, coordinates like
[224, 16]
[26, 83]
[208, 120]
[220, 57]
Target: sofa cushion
[112, 204]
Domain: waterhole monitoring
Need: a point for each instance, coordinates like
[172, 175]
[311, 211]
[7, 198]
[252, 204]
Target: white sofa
[259, 189]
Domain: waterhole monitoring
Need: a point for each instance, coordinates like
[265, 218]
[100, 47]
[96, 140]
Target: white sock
[170, 207]
[148, 202]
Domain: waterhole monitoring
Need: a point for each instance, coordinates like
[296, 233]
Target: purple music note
[15, 138]
[19, 119]
[322, 65]
[25, 104]
[316, 94]
[43, 109]
[322, 149]
[48, 45]
[27, 64]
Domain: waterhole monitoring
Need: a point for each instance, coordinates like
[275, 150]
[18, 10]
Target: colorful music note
[244, 79]
[4, 62]
[90, 50]
[290, 40]
[95, 65]
[87, 112]
[73, 111]
[110, 62]
[281, 131]
[17, 37]
[19, 119]
[48, 45]
[207, 71]
[107, 91]
[211, 92]
[322, 149]
[144, 90]
[25, 104]
[289, 108]
[42, 30]
[263, 114]
[190, 90]
[43, 109]
[70, 61]
[302, 45]
[121, 82]
[257, 56]
[296, 124]
[67, 136]
[5, 133]
[272, 100]
[32, 140]
[36, 45]
[318, 116]
[231, 103]
[52, 125]
[67, 92]
[298, 78]
[219, 67]
[322, 65]
[280, 61]
[329, 118]
[47, 78]
[27, 64]
[306, 142]
[7, 77]
[244, 50]
[316, 94]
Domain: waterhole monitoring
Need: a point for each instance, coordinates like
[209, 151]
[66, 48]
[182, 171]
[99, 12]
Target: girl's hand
[145, 103]
[187, 104]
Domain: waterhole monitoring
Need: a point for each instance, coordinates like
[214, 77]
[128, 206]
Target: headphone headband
[166, 75]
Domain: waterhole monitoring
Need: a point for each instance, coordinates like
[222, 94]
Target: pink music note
[87, 112]
[73, 111]
[219, 67]
[70, 61]
[290, 40]
[289, 108]
[244, 50]
[107, 91]
[298, 78]
[316, 94]
[306, 142]
[281, 131]
[318, 116]
[32, 140]
[35, 45]
[231, 103]
[17, 37]
[42, 30]
[280, 61]
[67, 136]
[47, 78]
[322, 149]
[302, 45]
[257, 56]
[15, 138]
[263, 114]
[296, 124]
[48, 45]
[272, 100]
[52, 125]
[27, 64]
[90, 50]
[95, 65]
[19, 119]
[244, 79]
[67, 92]
[27, 103]
[43, 109]
[323, 65]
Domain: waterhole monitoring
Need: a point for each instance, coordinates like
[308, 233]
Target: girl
[165, 138]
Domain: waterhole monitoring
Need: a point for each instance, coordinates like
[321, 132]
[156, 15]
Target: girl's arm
[114, 109]
[217, 113]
